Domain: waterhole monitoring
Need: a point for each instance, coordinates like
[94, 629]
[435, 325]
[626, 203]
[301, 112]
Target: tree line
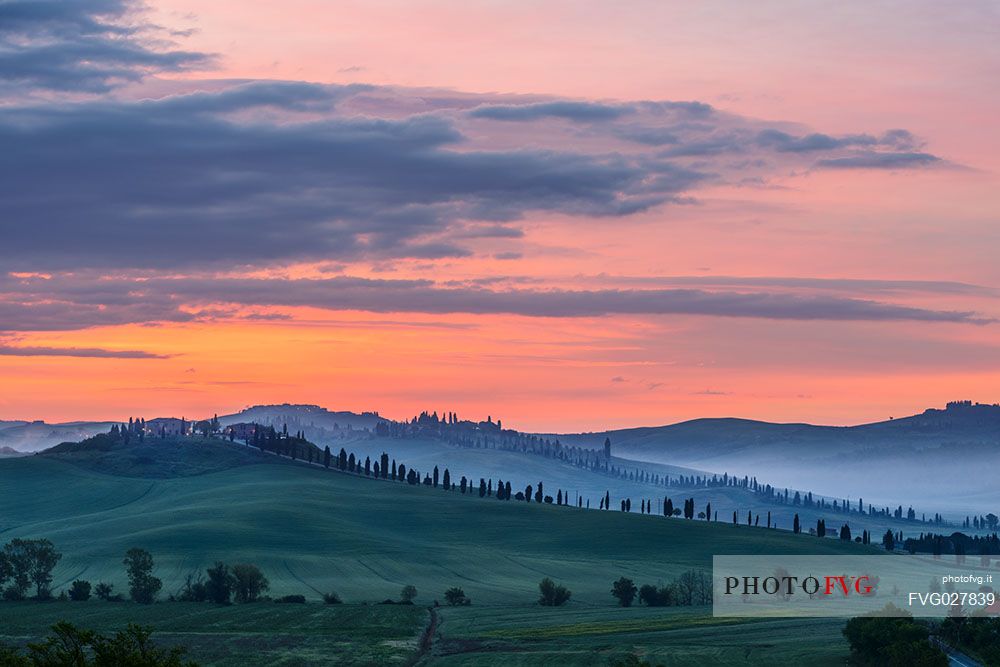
[693, 587]
[491, 435]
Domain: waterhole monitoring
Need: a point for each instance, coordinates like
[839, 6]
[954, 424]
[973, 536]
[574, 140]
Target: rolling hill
[193, 501]
[941, 457]
[314, 530]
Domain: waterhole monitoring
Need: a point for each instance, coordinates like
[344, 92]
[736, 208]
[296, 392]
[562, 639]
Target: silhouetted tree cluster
[456, 597]
[891, 641]
[693, 587]
[978, 635]
[957, 543]
[552, 594]
[71, 646]
[25, 564]
[243, 582]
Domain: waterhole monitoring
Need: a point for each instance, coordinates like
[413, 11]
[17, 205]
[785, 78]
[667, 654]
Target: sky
[568, 215]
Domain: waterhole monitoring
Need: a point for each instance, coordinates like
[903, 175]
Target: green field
[313, 531]
[255, 634]
[674, 637]
[314, 634]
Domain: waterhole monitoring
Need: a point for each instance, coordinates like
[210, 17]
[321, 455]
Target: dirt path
[426, 644]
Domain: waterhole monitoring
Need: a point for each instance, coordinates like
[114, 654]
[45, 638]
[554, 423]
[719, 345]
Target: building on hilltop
[163, 426]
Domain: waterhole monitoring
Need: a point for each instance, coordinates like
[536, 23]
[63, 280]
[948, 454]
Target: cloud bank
[218, 178]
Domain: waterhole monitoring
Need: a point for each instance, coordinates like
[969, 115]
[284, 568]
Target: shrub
[408, 594]
[104, 591]
[455, 597]
[12, 594]
[624, 589]
[552, 594]
[291, 599]
[331, 598]
[652, 596]
[250, 582]
[893, 641]
[84, 648]
[193, 590]
[79, 591]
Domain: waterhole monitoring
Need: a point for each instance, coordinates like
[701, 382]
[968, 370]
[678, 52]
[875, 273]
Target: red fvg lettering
[845, 584]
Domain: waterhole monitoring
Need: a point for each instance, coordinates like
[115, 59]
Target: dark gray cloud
[233, 174]
[82, 46]
[576, 111]
[784, 142]
[73, 304]
[746, 140]
[853, 285]
[169, 184]
[874, 160]
[87, 352]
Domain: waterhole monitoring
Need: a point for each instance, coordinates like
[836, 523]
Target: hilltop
[154, 457]
[312, 419]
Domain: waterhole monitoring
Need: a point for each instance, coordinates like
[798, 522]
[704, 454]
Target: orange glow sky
[815, 67]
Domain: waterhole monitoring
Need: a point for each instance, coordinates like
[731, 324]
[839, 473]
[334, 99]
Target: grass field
[674, 637]
[245, 635]
[313, 531]
[313, 634]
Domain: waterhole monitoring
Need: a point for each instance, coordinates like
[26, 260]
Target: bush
[552, 595]
[651, 596]
[104, 591]
[408, 594]
[193, 590]
[13, 594]
[84, 648]
[455, 597]
[292, 599]
[250, 582]
[624, 590]
[891, 641]
[331, 598]
[79, 591]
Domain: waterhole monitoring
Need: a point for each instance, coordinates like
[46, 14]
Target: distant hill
[7, 451]
[942, 456]
[27, 437]
[317, 423]
[960, 425]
